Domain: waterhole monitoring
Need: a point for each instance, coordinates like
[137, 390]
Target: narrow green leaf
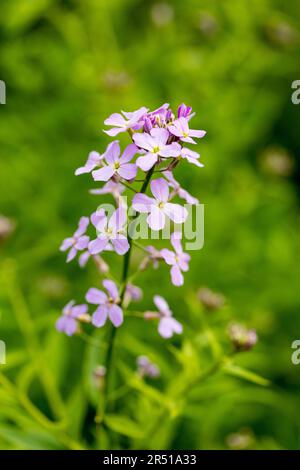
[237, 371]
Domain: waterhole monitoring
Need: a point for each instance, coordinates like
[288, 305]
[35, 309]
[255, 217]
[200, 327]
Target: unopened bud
[242, 338]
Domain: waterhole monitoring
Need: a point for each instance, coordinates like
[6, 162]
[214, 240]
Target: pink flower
[156, 146]
[185, 111]
[111, 187]
[110, 232]
[68, 321]
[173, 183]
[78, 241]
[117, 165]
[159, 207]
[167, 325]
[178, 259]
[94, 160]
[180, 128]
[123, 122]
[107, 304]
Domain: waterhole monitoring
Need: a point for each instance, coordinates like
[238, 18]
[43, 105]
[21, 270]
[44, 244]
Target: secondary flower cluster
[158, 140]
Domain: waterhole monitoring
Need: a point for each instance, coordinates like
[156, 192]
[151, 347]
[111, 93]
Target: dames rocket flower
[110, 232]
[180, 128]
[177, 259]
[125, 121]
[156, 144]
[167, 325]
[107, 304]
[78, 241]
[158, 207]
[116, 164]
[68, 322]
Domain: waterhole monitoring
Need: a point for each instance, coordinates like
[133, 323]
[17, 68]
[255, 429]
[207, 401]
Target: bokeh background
[68, 65]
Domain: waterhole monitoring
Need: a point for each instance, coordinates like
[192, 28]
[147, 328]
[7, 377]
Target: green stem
[102, 408]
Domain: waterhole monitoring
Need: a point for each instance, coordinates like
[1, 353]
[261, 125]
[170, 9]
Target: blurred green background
[67, 66]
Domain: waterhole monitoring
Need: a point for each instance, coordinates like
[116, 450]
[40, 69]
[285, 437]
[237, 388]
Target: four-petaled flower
[167, 325]
[94, 160]
[108, 304]
[116, 164]
[125, 121]
[78, 241]
[109, 232]
[156, 146]
[71, 315]
[159, 207]
[178, 259]
[180, 128]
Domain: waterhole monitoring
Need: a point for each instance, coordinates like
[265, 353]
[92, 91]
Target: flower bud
[242, 338]
[209, 299]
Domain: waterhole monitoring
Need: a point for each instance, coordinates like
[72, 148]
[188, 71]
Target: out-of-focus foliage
[67, 66]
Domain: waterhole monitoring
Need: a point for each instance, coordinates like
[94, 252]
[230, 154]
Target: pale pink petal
[146, 162]
[144, 141]
[70, 326]
[98, 245]
[168, 256]
[112, 289]
[82, 226]
[175, 212]
[183, 261]
[115, 131]
[118, 219]
[160, 135]
[128, 153]
[176, 242]
[66, 244]
[99, 219]
[115, 314]
[68, 307]
[95, 296]
[103, 174]
[160, 189]
[162, 305]
[177, 277]
[78, 310]
[112, 152]
[127, 171]
[165, 328]
[156, 219]
[82, 242]
[93, 160]
[71, 255]
[121, 244]
[99, 317]
[196, 133]
[172, 150]
[115, 119]
[142, 202]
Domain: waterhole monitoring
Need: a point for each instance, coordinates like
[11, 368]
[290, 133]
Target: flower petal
[168, 256]
[99, 316]
[160, 189]
[176, 212]
[176, 276]
[127, 171]
[142, 202]
[82, 242]
[118, 219]
[115, 314]
[160, 135]
[82, 226]
[121, 244]
[128, 153]
[71, 255]
[97, 245]
[66, 244]
[147, 161]
[162, 305]
[95, 296]
[103, 174]
[112, 289]
[156, 219]
[112, 152]
[144, 141]
[176, 242]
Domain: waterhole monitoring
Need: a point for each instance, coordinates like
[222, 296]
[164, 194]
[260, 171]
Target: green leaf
[124, 425]
[237, 371]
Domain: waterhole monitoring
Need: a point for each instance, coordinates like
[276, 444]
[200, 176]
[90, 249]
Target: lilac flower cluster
[158, 144]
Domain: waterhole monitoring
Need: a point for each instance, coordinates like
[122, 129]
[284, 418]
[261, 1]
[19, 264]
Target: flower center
[161, 205]
[117, 165]
[155, 149]
[108, 231]
[185, 134]
[176, 258]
